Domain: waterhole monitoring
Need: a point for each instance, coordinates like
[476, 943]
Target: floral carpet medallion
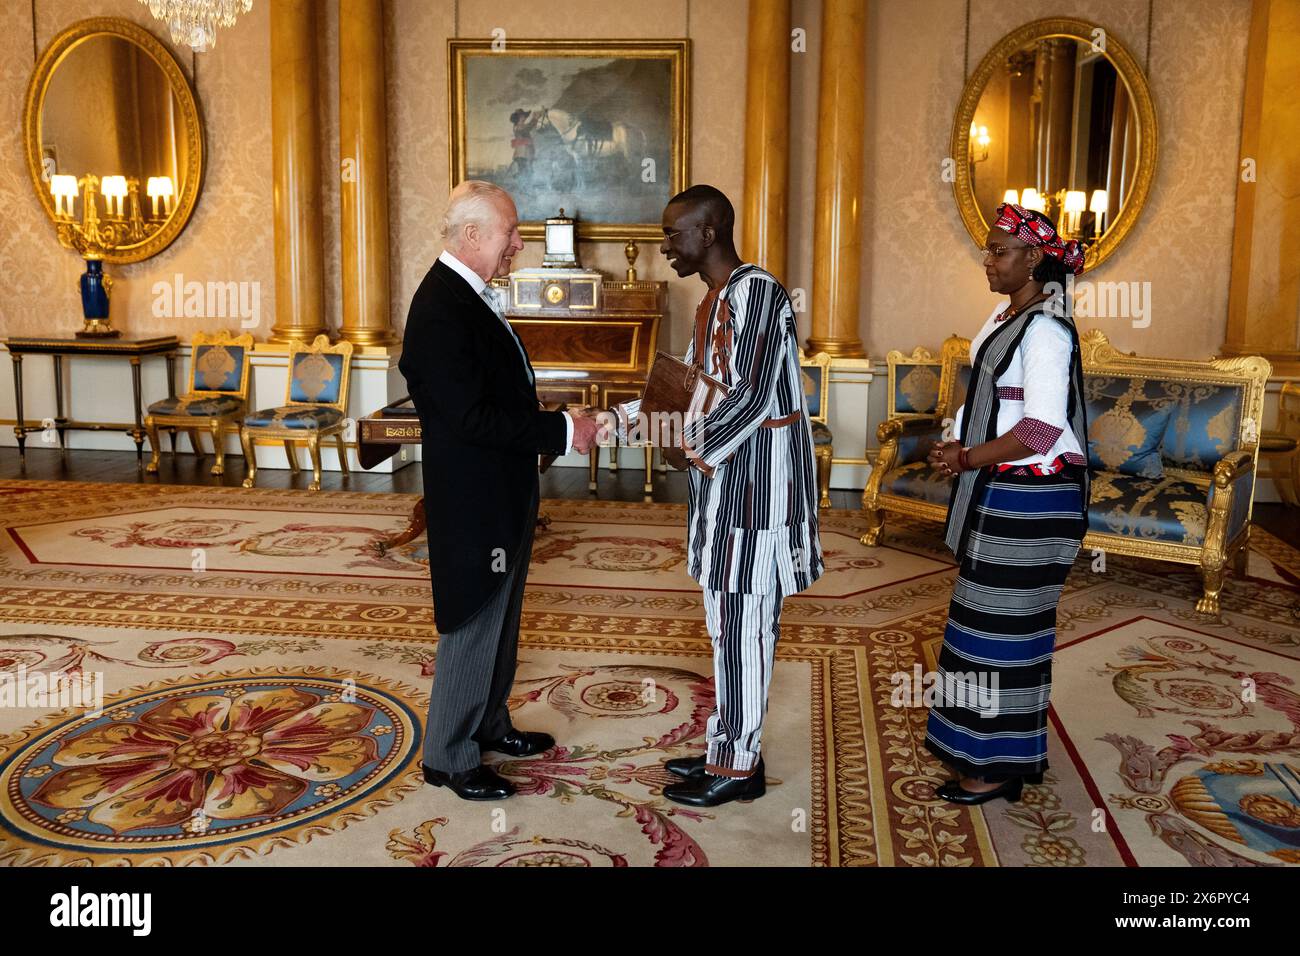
[224, 766]
[266, 666]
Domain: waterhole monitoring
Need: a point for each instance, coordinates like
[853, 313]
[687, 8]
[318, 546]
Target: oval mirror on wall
[111, 120]
[1057, 117]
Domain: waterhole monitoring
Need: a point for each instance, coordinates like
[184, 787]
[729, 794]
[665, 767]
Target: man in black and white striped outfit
[752, 512]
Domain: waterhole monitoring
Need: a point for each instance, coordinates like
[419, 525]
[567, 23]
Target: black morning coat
[482, 432]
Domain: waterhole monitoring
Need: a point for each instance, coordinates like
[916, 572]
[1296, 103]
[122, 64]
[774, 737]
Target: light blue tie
[489, 296]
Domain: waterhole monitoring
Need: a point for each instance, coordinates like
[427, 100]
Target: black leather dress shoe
[520, 743]
[708, 790]
[480, 783]
[952, 792]
[686, 766]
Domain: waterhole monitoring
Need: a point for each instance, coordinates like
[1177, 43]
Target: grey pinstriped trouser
[475, 669]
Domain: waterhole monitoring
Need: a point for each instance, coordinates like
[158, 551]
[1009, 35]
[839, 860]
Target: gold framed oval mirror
[1060, 113]
[111, 115]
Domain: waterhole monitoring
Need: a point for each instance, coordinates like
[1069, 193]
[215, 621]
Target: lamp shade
[159, 186]
[113, 186]
[1100, 201]
[63, 185]
[1031, 200]
[1012, 197]
[1076, 200]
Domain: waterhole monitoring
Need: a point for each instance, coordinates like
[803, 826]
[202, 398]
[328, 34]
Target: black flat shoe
[708, 790]
[480, 783]
[952, 792]
[520, 743]
[688, 767]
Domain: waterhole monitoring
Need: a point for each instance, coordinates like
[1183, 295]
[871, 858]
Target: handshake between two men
[592, 427]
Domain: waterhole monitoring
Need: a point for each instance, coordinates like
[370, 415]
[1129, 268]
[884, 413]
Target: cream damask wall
[920, 278]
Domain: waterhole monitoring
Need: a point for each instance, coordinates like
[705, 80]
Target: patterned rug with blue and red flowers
[224, 676]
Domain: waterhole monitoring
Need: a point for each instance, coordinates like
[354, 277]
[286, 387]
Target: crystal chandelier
[194, 23]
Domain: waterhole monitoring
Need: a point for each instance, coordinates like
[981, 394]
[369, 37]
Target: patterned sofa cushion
[917, 481]
[1151, 509]
[200, 406]
[1204, 424]
[1127, 420]
[290, 416]
[916, 446]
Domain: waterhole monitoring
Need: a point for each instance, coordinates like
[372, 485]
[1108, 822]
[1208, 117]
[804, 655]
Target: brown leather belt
[782, 422]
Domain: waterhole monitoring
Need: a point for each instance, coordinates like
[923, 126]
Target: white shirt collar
[465, 272]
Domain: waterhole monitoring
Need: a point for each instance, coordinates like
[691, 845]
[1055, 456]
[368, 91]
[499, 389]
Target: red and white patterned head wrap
[1037, 230]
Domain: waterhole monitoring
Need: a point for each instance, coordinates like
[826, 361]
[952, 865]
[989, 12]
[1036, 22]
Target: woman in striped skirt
[1016, 517]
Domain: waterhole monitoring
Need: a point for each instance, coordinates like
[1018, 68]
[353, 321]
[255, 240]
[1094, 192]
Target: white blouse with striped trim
[1033, 392]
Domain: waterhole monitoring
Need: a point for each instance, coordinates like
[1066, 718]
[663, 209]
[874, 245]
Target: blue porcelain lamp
[91, 240]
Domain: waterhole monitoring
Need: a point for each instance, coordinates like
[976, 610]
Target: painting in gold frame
[599, 128]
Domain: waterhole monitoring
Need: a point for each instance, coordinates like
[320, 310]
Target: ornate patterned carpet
[265, 669]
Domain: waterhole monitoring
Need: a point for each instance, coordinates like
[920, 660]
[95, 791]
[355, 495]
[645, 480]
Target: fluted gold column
[1264, 295]
[363, 147]
[295, 164]
[837, 241]
[767, 135]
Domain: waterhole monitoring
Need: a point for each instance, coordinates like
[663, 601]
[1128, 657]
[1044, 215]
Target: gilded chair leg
[824, 456]
[218, 447]
[594, 457]
[875, 525]
[250, 457]
[313, 448]
[649, 487]
[613, 459]
[151, 428]
[291, 452]
[194, 442]
[343, 454]
[1212, 577]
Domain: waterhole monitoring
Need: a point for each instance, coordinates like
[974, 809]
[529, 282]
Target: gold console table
[131, 349]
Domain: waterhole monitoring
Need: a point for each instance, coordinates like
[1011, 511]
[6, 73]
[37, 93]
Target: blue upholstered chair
[816, 371]
[217, 396]
[315, 407]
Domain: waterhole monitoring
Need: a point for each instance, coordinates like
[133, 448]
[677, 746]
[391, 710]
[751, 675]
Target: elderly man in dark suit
[483, 428]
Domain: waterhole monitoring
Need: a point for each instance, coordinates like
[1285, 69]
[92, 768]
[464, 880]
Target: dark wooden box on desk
[590, 340]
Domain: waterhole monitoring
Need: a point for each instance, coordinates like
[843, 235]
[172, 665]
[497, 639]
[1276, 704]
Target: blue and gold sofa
[1172, 445]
